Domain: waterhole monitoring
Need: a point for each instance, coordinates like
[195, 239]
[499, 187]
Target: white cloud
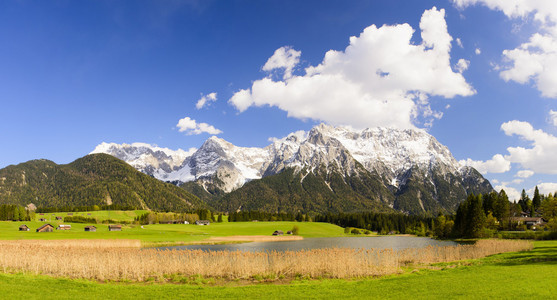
[206, 99]
[381, 79]
[511, 192]
[497, 164]
[478, 51]
[284, 58]
[459, 42]
[525, 174]
[191, 127]
[553, 117]
[517, 181]
[545, 188]
[540, 158]
[462, 65]
[535, 60]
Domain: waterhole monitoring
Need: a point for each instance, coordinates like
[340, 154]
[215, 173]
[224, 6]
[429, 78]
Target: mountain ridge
[410, 168]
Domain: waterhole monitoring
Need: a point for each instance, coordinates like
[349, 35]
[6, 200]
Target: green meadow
[166, 233]
[531, 274]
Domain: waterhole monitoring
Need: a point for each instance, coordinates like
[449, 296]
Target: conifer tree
[536, 202]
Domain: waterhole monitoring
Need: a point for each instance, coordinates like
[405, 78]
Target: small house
[289, 232]
[186, 222]
[23, 228]
[202, 222]
[45, 228]
[64, 227]
[90, 228]
[58, 218]
[42, 220]
[114, 227]
[278, 232]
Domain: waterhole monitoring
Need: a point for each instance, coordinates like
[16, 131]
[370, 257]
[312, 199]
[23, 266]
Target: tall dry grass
[123, 260]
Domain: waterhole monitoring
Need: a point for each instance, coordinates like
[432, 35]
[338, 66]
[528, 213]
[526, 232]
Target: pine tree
[536, 202]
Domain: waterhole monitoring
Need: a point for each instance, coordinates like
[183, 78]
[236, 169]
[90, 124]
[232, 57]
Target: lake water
[379, 242]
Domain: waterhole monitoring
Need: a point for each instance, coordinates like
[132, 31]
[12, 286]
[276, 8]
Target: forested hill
[96, 179]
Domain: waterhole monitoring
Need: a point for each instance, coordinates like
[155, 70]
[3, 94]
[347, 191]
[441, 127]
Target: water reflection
[379, 242]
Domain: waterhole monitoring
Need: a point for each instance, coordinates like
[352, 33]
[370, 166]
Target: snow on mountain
[386, 151]
[147, 158]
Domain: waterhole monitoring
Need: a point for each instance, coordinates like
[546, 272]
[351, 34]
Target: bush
[295, 230]
[355, 231]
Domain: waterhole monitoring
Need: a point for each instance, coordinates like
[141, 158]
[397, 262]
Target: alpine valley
[328, 169]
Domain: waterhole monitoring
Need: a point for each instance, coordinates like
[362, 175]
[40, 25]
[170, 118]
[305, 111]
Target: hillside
[96, 179]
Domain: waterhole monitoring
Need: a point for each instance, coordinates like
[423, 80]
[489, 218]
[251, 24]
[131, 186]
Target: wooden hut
[114, 227]
[58, 218]
[278, 232]
[45, 228]
[42, 220]
[90, 228]
[64, 227]
[23, 228]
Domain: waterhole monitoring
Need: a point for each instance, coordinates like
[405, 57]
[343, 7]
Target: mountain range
[328, 169]
[96, 179]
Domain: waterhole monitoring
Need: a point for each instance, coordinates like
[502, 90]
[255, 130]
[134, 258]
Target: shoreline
[232, 239]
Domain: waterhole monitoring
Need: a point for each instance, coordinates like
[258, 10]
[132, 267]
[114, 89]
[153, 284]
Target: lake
[379, 242]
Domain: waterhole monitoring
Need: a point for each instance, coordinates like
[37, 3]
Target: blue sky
[479, 75]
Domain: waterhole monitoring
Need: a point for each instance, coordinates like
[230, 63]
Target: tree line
[170, 217]
[483, 215]
[11, 212]
[254, 215]
[84, 208]
[382, 223]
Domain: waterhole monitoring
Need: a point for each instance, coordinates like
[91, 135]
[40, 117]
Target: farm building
[532, 223]
[289, 232]
[202, 222]
[114, 227]
[64, 227]
[23, 228]
[58, 218]
[45, 228]
[186, 222]
[278, 232]
[42, 220]
[90, 228]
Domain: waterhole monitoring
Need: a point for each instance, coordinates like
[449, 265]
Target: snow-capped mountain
[398, 158]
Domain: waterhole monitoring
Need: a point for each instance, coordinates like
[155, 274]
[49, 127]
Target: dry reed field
[123, 260]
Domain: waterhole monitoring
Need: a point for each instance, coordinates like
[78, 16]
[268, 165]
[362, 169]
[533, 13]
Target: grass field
[504, 276]
[167, 233]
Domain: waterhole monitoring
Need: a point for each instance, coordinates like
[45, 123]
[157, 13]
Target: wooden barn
[64, 227]
[45, 228]
[58, 218]
[114, 227]
[23, 228]
[90, 228]
[278, 232]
